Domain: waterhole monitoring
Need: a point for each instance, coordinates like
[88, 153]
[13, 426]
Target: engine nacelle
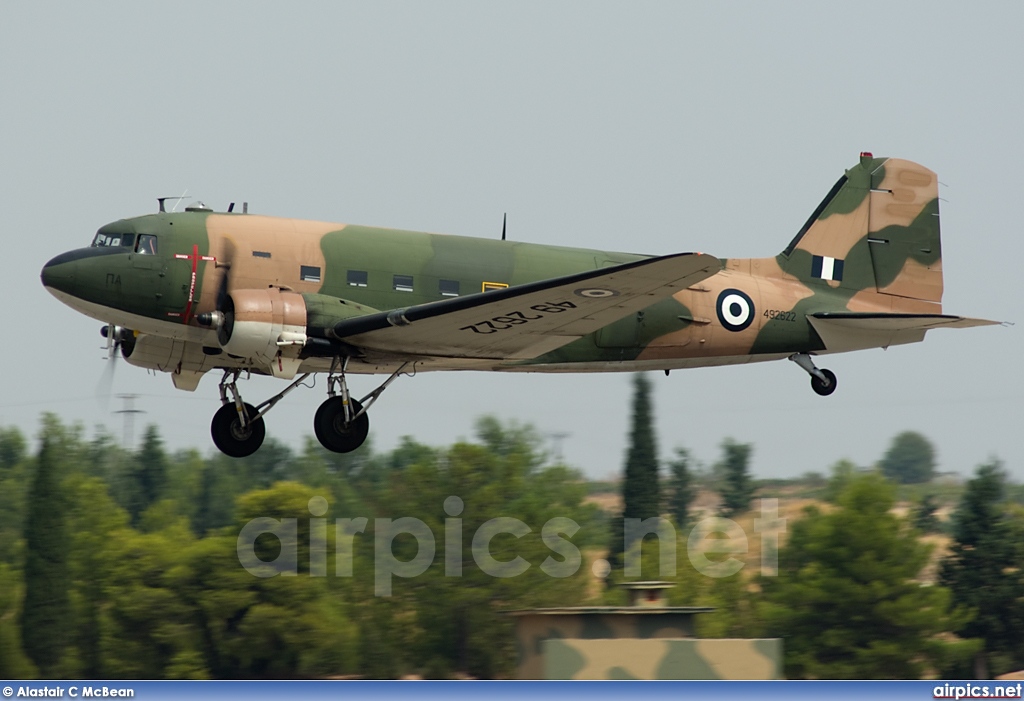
[266, 327]
[154, 352]
[184, 360]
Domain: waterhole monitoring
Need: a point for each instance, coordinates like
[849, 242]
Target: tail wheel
[231, 437]
[333, 432]
[821, 387]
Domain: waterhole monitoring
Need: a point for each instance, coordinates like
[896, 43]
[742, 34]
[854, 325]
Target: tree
[46, 609]
[148, 474]
[682, 487]
[13, 663]
[641, 492]
[843, 472]
[737, 489]
[847, 601]
[925, 519]
[910, 459]
[12, 448]
[451, 617]
[985, 571]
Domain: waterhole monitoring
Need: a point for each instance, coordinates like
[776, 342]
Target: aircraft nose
[75, 271]
[58, 273]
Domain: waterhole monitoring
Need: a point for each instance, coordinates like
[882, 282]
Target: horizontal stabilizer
[527, 320]
[847, 331]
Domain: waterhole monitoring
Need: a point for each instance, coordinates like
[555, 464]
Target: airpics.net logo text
[718, 536]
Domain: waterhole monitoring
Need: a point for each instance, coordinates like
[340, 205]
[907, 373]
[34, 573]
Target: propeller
[120, 341]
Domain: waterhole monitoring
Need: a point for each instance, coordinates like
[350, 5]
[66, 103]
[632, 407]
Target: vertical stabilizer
[877, 229]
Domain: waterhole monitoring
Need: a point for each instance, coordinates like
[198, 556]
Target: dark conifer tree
[986, 573]
[737, 489]
[681, 483]
[641, 489]
[148, 474]
[46, 611]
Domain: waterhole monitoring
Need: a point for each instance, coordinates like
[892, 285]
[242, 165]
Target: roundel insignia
[735, 309]
[595, 292]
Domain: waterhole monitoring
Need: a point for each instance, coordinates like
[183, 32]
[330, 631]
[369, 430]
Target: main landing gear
[823, 381]
[341, 423]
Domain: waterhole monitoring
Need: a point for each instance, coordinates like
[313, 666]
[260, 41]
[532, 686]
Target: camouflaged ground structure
[871, 246]
[662, 659]
[646, 640]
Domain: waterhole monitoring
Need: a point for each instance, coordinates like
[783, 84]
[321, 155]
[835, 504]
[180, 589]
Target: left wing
[527, 320]
[845, 331]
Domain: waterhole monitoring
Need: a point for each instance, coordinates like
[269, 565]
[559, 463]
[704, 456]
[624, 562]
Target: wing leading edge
[527, 320]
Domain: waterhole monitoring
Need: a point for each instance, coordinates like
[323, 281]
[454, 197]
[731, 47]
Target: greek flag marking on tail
[827, 268]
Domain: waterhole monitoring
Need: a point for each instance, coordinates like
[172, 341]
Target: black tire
[822, 388]
[331, 429]
[229, 436]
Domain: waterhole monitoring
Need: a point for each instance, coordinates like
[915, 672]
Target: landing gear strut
[237, 428]
[823, 381]
[341, 423]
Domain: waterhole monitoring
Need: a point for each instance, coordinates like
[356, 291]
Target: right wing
[527, 320]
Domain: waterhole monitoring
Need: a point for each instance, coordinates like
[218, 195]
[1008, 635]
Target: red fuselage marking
[195, 258]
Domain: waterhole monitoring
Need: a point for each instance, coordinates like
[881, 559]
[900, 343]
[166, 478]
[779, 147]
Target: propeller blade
[105, 386]
[224, 288]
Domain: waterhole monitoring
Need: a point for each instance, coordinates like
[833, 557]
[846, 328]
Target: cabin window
[448, 288]
[357, 278]
[261, 254]
[489, 286]
[114, 240]
[146, 245]
[403, 283]
[309, 273]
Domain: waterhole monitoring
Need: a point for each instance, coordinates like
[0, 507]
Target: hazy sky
[646, 127]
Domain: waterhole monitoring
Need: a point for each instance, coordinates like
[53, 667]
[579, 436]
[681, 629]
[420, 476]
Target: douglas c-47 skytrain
[195, 291]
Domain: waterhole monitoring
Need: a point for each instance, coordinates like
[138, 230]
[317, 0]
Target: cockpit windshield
[115, 240]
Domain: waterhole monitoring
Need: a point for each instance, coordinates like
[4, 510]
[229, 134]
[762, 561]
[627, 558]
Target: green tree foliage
[641, 488]
[846, 600]
[13, 662]
[147, 475]
[910, 459]
[15, 473]
[737, 488]
[926, 519]
[46, 608]
[456, 622]
[166, 596]
[682, 487]
[985, 571]
[12, 449]
[843, 472]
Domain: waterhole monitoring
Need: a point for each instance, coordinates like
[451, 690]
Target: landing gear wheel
[823, 388]
[233, 439]
[331, 429]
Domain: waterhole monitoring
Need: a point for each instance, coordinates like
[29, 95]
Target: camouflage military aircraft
[194, 291]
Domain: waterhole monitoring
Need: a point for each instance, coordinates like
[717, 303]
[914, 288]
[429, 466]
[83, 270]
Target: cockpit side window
[146, 245]
[114, 240]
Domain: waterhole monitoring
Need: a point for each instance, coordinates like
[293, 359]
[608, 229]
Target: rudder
[878, 230]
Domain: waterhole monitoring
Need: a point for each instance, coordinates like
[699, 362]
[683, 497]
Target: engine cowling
[266, 327]
[186, 361]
